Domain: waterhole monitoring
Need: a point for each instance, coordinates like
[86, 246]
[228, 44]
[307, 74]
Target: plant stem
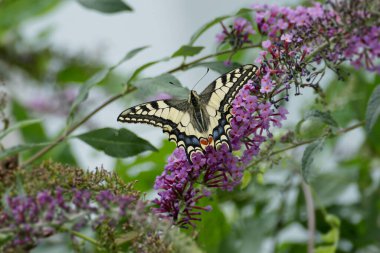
[295, 145]
[310, 217]
[186, 65]
[73, 128]
[80, 235]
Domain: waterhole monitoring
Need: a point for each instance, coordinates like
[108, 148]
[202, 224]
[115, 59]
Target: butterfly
[199, 121]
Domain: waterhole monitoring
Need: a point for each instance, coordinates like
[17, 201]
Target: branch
[184, 66]
[295, 145]
[310, 217]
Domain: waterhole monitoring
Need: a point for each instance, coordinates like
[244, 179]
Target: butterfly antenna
[201, 78]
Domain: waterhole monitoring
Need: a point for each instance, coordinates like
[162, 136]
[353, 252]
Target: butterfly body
[202, 119]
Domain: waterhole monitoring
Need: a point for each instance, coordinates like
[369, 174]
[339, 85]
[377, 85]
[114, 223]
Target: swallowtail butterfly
[202, 119]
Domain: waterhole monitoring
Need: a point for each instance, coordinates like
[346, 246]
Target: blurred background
[49, 48]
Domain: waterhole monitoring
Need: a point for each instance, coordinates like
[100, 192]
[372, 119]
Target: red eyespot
[210, 140]
[204, 142]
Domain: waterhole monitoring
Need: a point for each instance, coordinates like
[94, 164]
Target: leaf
[308, 157]
[243, 11]
[373, 109]
[34, 133]
[325, 249]
[146, 167]
[218, 66]
[129, 55]
[85, 89]
[106, 6]
[187, 51]
[13, 13]
[21, 148]
[204, 28]
[323, 116]
[141, 68]
[19, 125]
[247, 177]
[165, 83]
[116, 142]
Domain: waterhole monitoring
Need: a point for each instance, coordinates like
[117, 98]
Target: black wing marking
[220, 93]
[162, 113]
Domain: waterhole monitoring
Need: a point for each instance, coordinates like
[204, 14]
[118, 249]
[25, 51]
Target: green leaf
[34, 133]
[85, 89]
[213, 227]
[218, 66]
[325, 117]
[373, 109]
[243, 11]
[129, 55]
[146, 167]
[187, 51]
[116, 142]
[19, 125]
[20, 148]
[247, 177]
[165, 83]
[106, 6]
[325, 249]
[204, 28]
[308, 157]
[13, 13]
[142, 68]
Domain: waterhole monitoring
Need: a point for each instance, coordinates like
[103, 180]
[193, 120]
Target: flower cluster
[29, 218]
[237, 35]
[342, 28]
[182, 185]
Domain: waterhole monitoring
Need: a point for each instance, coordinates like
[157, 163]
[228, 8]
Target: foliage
[308, 186]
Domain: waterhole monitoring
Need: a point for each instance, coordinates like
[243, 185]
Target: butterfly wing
[219, 95]
[173, 116]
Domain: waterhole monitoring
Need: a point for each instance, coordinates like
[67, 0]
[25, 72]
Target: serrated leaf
[204, 28]
[106, 6]
[116, 142]
[218, 66]
[18, 125]
[373, 109]
[308, 157]
[187, 51]
[323, 116]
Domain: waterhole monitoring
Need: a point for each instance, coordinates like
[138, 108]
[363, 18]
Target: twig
[295, 145]
[310, 217]
[186, 65]
[73, 128]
